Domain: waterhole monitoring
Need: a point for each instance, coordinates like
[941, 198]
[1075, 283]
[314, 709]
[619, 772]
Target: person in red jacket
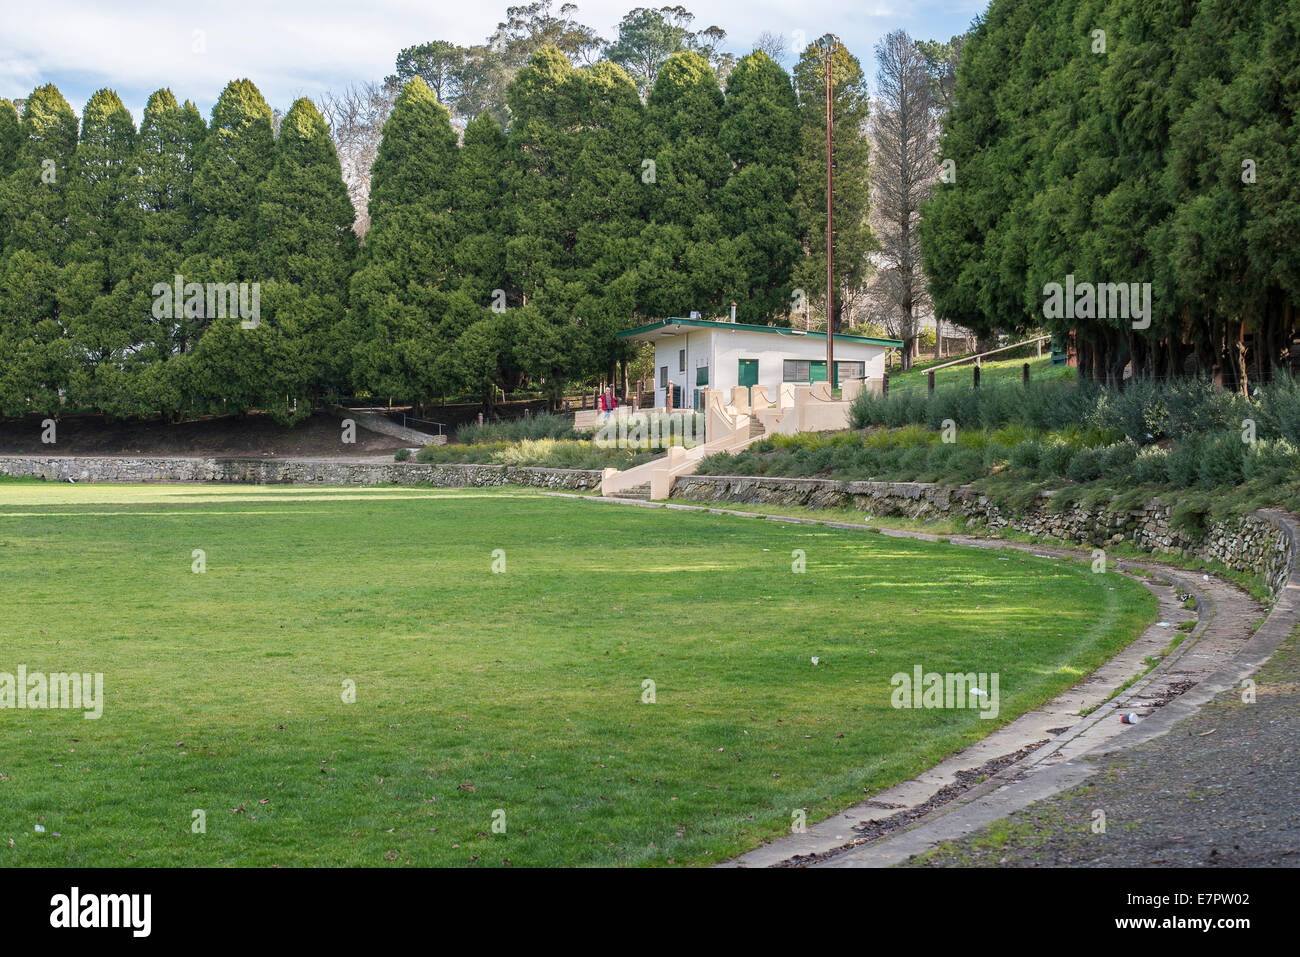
[608, 403]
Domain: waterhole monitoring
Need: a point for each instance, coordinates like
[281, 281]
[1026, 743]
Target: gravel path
[1219, 790]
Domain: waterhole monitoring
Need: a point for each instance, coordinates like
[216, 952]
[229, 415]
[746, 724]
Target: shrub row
[547, 425]
[1144, 412]
[1201, 460]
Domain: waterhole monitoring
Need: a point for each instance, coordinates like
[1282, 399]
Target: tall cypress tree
[230, 368]
[853, 236]
[687, 263]
[480, 357]
[608, 205]
[166, 229]
[400, 290]
[95, 292]
[760, 132]
[33, 201]
[546, 101]
[305, 259]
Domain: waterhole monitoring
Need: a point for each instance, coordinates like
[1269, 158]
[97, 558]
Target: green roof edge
[778, 330]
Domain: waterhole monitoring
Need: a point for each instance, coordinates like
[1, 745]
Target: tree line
[496, 259]
[102, 226]
[492, 259]
[1147, 148]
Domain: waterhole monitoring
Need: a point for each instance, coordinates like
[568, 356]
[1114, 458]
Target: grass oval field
[484, 698]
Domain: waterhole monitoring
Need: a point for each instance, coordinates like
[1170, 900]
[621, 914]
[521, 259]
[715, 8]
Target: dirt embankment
[247, 435]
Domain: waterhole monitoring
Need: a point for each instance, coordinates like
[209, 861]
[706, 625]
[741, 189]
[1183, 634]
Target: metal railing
[410, 418]
[980, 355]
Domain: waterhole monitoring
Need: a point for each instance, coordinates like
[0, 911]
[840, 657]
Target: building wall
[722, 351]
[668, 352]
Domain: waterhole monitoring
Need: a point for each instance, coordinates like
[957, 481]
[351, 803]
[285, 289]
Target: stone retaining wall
[290, 472]
[1256, 544]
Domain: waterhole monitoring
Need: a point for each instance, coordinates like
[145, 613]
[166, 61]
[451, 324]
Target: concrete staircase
[729, 430]
[637, 491]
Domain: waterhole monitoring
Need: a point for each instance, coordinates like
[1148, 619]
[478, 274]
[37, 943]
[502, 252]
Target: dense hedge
[1184, 435]
[494, 259]
[1126, 141]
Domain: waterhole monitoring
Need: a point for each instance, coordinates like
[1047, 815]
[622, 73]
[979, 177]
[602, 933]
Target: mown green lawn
[991, 371]
[479, 692]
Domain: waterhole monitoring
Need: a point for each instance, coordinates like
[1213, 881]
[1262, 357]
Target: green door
[677, 396]
[747, 374]
[1060, 351]
[817, 370]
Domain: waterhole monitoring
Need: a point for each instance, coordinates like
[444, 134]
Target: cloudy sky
[292, 48]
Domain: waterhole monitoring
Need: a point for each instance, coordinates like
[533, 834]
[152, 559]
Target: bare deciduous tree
[356, 119]
[904, 130]
[774, 45]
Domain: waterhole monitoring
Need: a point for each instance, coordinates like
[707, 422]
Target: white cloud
[296, 47]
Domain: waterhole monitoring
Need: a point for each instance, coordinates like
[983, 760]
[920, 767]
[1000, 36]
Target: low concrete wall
[1257, 544]
[289, 472]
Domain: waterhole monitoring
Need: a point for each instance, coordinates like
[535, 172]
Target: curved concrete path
[1218, 657]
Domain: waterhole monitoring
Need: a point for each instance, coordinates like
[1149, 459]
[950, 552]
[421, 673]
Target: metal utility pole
[830, 229]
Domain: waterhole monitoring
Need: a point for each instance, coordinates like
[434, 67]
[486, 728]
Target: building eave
[668, 328]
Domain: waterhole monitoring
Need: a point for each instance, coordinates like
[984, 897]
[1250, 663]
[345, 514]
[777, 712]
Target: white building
[693, 354]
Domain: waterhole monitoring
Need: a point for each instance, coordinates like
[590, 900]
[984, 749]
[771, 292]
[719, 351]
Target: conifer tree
[95, 291]
[232, 358]
[399, 293]
[33, 202]
[852, 189]
[608, 205]
[546, 101]
[687, 265]
[166, 228]
[478, 325]
[306, 253]
[760, 132]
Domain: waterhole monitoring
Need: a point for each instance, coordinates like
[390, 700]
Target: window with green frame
[803, 370]
[702, 375]
[849, 370]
